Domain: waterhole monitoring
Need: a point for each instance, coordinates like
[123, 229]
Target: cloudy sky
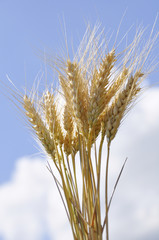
[30, 207]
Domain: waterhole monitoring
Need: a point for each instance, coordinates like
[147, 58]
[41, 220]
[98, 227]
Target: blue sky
[29, 26]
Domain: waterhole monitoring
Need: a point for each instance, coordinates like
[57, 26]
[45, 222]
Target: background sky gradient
[28, 198]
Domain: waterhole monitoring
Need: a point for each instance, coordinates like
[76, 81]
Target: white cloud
[135, 209]
[30, 206]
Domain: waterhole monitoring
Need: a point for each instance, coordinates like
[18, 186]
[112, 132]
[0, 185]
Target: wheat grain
[67, 144]
[75, 143]
[68, 121]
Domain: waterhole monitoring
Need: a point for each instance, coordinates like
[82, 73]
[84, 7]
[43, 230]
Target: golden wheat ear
[51, 117]
[120, 106]
[99, 86]
[75, 91]
[38, 126]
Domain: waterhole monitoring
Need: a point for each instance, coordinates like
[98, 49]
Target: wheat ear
[98, 89]
[37, 124]
[78, 92]
[68, 126]
[119, 106]
[51, 117]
